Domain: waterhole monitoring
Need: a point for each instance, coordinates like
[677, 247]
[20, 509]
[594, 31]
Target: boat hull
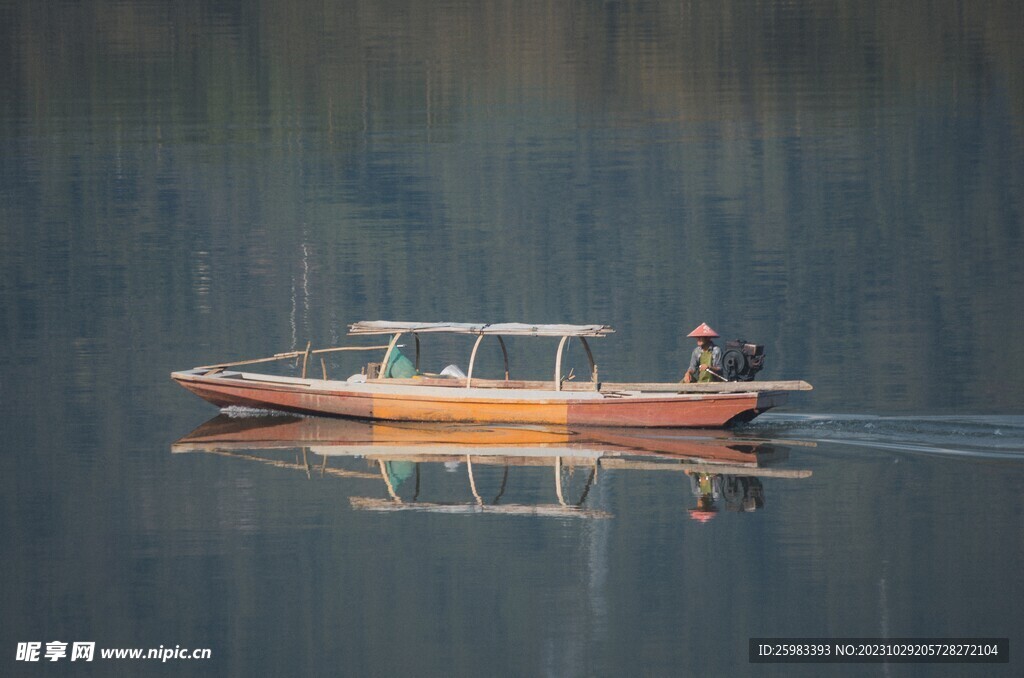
[475, 405]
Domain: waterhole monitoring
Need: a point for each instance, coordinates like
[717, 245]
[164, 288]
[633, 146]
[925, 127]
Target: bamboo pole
[504, 354]
[289, 354]
[276, 356]
[558, 363]
[349, 348]
[305, 358]
[340, 473]
[387, 356]
[472, 359]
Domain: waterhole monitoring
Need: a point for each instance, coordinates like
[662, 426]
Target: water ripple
[990, 437]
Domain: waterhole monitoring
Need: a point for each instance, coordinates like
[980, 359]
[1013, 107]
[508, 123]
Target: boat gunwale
[613, 389]
[384, 389]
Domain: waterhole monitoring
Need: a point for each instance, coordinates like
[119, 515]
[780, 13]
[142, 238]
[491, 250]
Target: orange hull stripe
[501, 412]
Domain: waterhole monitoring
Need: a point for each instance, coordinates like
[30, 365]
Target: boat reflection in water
[724, 469]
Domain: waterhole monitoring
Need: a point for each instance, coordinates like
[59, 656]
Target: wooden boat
[414, 396]
[350, 448]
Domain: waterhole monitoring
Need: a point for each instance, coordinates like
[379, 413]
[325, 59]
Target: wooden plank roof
[505, 329]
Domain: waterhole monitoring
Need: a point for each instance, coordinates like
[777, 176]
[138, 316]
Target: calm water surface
[204, 181]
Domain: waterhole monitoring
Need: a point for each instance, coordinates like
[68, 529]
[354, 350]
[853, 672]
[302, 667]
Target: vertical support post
[504, 482]
[387, 481]
[323, 366]
[590, 357]
[558, 363]
[472, 359]
[387, 355]
[417, 338]
[472, 480]
[558, 481]
[504, 354]
[305, 358]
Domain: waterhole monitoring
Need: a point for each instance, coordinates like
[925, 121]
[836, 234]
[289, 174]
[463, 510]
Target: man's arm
[691, 370]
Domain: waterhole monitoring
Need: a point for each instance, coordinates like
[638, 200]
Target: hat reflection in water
[705, 511]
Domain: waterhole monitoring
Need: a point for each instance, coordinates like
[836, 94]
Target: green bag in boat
[399, 367]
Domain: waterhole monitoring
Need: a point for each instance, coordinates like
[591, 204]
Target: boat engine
[741, 360]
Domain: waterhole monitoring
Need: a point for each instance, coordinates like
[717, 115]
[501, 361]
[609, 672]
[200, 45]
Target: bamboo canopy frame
[560, 331]
[557, 462]
[563, 332]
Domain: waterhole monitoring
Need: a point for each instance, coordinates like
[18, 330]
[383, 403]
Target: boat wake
[239, 412]
[987, 437]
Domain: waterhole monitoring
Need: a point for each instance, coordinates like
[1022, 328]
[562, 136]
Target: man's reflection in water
[739, 493]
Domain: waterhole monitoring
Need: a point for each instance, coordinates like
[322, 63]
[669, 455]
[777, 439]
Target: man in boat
[706, 359]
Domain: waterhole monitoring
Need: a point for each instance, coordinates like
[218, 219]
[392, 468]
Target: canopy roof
[505, 329]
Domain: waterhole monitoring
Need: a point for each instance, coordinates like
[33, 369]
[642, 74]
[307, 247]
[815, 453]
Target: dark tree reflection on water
[189, 182]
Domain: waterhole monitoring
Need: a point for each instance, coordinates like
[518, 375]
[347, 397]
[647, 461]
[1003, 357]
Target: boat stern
[766, 400]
